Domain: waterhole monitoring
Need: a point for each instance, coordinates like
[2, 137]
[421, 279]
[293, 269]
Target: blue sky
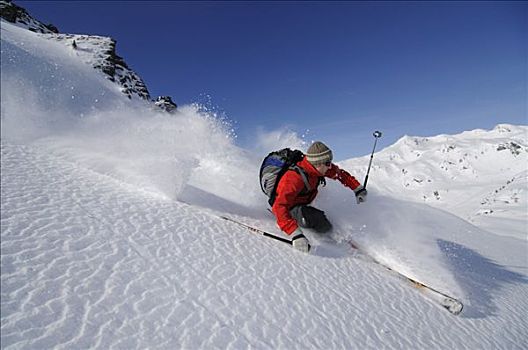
[337, 69]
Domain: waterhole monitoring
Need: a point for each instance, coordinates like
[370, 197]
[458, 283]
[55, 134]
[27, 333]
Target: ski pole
[377, 135]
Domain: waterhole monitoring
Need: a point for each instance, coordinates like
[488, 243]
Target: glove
[361, 194]
[299, 241]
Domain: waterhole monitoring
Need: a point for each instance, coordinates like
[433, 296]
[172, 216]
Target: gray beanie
[318, 153]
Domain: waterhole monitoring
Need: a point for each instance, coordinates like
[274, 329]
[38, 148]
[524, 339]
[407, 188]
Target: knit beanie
[318, 153]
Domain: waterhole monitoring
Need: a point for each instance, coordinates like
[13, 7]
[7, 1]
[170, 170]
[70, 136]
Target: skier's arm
[343, 176]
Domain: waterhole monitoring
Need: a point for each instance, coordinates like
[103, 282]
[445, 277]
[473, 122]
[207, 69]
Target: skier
[292, 202]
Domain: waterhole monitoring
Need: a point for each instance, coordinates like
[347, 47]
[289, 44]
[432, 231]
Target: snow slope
[111, 236]
[90, 262]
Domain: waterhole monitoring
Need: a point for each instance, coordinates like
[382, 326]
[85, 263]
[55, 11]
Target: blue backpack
[275, 165]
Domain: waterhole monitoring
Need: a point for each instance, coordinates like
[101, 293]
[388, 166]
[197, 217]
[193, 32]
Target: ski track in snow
[88, 262]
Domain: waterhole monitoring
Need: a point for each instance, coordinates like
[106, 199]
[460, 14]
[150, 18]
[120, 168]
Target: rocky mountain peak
[19, 16]
[99, 52]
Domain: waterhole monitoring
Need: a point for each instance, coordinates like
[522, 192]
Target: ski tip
[453, 306]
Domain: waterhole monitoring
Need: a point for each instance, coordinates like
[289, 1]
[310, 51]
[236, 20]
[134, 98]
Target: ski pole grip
[377, 135]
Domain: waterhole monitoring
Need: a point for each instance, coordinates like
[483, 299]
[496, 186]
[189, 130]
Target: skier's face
[323, 168]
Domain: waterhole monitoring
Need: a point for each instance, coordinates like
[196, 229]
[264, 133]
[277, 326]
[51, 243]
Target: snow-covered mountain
[480, 175]
[96, 51]
[112, 237]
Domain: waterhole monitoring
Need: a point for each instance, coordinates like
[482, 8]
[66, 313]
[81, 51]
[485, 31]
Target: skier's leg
[311, 217]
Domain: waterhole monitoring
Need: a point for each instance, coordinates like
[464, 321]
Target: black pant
[310, 217]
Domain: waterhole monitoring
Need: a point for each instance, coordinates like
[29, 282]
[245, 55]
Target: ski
[257, 230]
[449, 303]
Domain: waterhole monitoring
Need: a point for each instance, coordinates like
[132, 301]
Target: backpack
[275, 165]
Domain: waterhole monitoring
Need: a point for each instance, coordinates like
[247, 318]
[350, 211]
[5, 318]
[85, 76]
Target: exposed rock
[166, 103]
[514, 148]
[19, 16]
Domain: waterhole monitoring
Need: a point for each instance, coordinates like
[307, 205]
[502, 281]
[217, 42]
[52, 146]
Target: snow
[111, 236]
[480, 176]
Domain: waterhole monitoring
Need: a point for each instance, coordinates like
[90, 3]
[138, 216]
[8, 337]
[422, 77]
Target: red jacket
[290, 191]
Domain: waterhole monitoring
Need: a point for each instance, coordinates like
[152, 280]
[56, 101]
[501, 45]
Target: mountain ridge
[484, 167]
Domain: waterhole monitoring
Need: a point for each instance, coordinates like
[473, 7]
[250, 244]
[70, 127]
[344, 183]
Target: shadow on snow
[478, 276]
